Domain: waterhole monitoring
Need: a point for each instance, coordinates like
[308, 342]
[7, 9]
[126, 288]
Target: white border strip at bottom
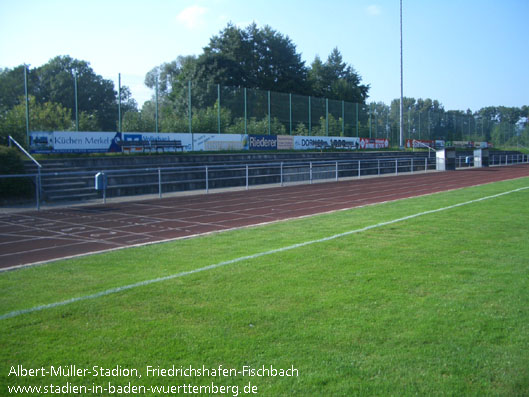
[244, 258]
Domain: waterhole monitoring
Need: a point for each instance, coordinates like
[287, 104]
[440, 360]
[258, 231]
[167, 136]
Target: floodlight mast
[401, 121]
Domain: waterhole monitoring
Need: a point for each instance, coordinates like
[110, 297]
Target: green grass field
[433, 305]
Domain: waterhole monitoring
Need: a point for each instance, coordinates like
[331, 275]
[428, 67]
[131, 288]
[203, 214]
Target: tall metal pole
[119, 103]
[189, 114]
[156, 108]
[269, 122]
[27, 103]
[401, 141]
[218, 108]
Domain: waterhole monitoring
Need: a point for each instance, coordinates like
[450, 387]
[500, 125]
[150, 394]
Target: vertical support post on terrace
[247, 177]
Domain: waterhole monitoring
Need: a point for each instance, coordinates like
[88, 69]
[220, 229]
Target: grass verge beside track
[437, 304]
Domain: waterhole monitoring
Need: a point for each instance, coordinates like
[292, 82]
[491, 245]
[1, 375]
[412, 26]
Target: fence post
[337, 171]
[412, 164]
[310, 172]
[218, 107]
[396, 166]
[269, 117]
[159, 183]
[359, 172]
[207, 180]
[426, 164]
[281, 173]
[378, 166]
[245, 113]
[310, 118]
[290, 112]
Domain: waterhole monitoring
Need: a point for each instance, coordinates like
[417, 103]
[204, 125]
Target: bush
[12, 164]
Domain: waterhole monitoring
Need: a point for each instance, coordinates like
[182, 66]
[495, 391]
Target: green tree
[334, 79]
[254, 58]
[96, 95]
[48, 116]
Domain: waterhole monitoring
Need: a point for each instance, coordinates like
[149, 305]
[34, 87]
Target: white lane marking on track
[248, 257]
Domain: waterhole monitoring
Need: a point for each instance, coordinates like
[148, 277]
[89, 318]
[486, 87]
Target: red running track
[35, 237]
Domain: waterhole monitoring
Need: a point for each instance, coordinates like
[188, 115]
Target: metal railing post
[246, 176]
[396, 166]
[104, 188]
[207, 181]
[359, 169]
[310, 172]
[426, 164]
[159, 183]
[37, 189]
[412, 165]
[281, 173]
[336, 174]
[378, 166]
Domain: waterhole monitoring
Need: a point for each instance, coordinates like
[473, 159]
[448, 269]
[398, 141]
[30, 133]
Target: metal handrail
[11, 139]
[39, 167]
[422, 144]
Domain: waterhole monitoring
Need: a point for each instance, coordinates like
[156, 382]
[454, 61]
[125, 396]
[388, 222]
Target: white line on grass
[248, 257]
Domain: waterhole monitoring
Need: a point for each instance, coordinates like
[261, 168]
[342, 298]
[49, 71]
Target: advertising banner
[215, 142]
[74, 142]
[325, 142]
[262, 142]
[285, 142]
[185, 139]
[369, 143]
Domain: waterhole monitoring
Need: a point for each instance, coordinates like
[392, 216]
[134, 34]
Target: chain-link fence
[211, 108]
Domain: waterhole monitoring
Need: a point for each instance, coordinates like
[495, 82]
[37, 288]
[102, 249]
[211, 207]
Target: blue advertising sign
[263, 142]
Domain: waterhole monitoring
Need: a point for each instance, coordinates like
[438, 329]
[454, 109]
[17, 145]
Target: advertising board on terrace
[111, 142]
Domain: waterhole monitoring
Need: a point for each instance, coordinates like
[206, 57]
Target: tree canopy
[52, 85]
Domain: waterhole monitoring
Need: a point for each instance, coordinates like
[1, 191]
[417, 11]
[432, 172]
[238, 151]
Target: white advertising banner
[318, 142]
[215, 142]
[74, 142]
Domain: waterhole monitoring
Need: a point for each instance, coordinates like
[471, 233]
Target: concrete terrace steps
[73, 178]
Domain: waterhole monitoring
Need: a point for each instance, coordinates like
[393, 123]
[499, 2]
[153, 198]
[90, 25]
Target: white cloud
[192, 17]
[373, 10]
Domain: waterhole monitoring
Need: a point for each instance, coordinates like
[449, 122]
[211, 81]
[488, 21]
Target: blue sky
[464, 53]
